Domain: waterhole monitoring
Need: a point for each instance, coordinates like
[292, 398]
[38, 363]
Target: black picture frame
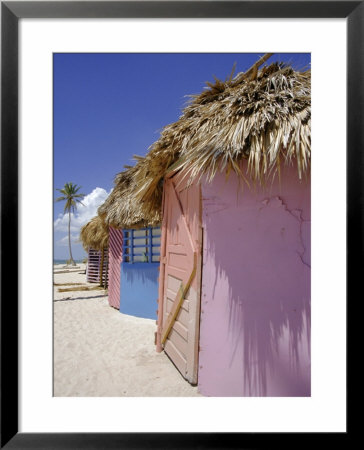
[11, 12]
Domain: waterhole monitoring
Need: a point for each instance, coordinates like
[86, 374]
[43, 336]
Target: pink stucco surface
[255, 302]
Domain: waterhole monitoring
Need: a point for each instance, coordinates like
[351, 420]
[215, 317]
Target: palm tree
[71, 196]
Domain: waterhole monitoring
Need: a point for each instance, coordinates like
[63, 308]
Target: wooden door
[181, 275]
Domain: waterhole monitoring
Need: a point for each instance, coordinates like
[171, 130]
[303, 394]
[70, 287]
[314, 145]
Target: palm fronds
[71, 196]
[249, 124]
[95, 234]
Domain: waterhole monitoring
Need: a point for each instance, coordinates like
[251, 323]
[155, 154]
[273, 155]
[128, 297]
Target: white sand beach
[99, 352]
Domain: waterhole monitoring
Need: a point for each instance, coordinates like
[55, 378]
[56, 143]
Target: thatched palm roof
[249, 124]
[121, 210]
[95, 234]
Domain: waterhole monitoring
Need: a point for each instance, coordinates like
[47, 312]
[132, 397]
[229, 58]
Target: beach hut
[95, 239]
[108, 241]
[232, 180]
[133, 251]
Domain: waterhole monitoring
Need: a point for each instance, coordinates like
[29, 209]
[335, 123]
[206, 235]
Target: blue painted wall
[139, 289]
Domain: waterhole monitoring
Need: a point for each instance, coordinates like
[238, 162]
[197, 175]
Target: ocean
[64, 261]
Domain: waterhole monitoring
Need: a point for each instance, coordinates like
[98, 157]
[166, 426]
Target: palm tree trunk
[69, 238]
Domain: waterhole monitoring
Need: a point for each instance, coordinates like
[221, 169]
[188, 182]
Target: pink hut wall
[115, 258]
[255, 303]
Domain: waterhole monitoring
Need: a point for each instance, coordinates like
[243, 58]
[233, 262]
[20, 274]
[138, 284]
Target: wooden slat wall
[115, 259]
[93, 264]
[106, 265]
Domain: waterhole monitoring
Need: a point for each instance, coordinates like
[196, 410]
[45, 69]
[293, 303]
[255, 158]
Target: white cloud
[84, 212]
[64, 241]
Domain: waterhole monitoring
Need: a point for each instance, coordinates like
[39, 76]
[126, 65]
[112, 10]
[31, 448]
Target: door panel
[181, 271]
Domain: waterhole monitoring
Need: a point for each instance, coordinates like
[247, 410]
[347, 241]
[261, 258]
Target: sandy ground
[99, 352]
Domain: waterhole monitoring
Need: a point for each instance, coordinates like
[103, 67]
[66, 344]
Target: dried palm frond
[121, 210]
[95, 234]
[261, 121]
[249, 124]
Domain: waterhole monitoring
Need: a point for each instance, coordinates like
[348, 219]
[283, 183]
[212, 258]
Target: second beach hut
[232, 180]
[133, 251]
[95, 240]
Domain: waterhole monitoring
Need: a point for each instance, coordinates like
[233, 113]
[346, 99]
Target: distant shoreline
[64, 261]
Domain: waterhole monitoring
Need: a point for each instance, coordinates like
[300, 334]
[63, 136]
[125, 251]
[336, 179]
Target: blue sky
[108, 107]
